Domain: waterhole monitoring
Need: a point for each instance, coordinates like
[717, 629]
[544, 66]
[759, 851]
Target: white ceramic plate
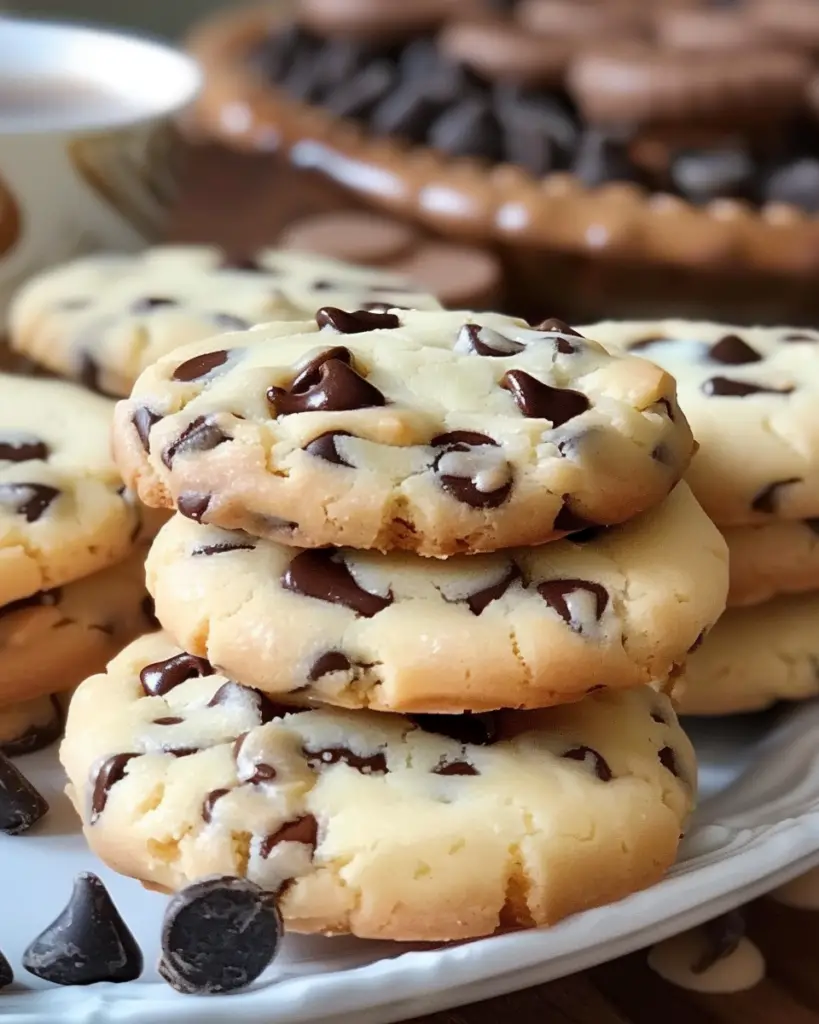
[758, 826]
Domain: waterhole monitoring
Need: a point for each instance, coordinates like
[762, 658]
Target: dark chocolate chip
[483, 341]
[21, 806]
[557, 592]
[209, 801]
[408, 113]
[109, 773]
[143, 419]
[796, 183]
[537, 400]
[704, 175]
[658, 718]
[570, 521]
[161, 677]
[460, 440]
[149, 304]
[726, 388]
[330, 661]
[323, 575]
[89, 372]
[327, 384]
[218, 935]
[723, 936]
[42, 599]
[200, 366]
[602, 157]
[361, 95]
[468, 128]
[586, 536]
[263, 773]
[265, 707]
[798, 337]
[482, 729]
[36, 737]
[480, 599]
[13, 450]
[598, 762]
[230, 322]
[29, 500]
[668, 759]
[732, 349]
[324, 447]
[201, 435]
[455, 768]
[168, 720]
[558, 327]
[302, 830]
[358, 322]
[222, 548]
[88, 942]
[6, 973]
[767, 499]
[374, 764]
[465, 488]
[192, 505]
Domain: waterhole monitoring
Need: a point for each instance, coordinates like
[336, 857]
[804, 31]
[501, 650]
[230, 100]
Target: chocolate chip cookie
[103, 319]
[435, 432]
[781, 557]
[389, 827]
[63, 510]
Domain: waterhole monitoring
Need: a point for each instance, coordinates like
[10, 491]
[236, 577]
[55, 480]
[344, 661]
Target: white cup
[91, 165]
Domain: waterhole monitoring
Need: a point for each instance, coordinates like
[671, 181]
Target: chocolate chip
[537, 400]
[29, 500]
[668, 759]
[330, 661]
[110, 772]
[17, 450]
[570, 521]
[218, 935]
[408, 113]
[461, 439]
[324, 447]
[143, 419]
[149, 611]
[266, 709]
[480, 599]
[724, 387]
[468, 128]
[602, 157]
[89, 372]
[6, 973]
[375, 764]
[149, 304]
[323, 575]
[598, 762]
[482, 729]
[658, 718]
[21, 805]
[714, 174]
[87, 943]
[327, 384]
[168, 720]
[200, 366]
[42, 599]
[357, 322]
[559, 328]
[732, 349]
[209, 801]
[455, 768]
[766, 500]
[556, 594]
[360, 96]
[796, 183]
[302, 830]
[192, 505]
[462, 478]
[483, 341]
[222, 548]
[723, 936]
[36, 737]
[161, 677]
[201, 435]
[799, 337]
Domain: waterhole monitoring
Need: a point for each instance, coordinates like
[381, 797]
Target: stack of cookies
[428, 576]
[749, 395]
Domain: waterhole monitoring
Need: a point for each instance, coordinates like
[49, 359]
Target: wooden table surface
[243, 202]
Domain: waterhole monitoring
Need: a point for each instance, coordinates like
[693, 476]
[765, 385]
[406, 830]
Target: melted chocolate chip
[460, 440]
[327, 384]
[192, 505]
[599, 763]
[733, 350]
[199, 436]
[200, 366]
[110, 772]
[143, 419]
[266, 708]
[169, 720]
[29, 500]
[12, 450]
[375, 764]
[222, 548]
[537, 400]
[150, 303]
[162, 676]
[725, 388]
[455, 768]
[324, 447]
[723, 936]
[557, 592]
[480, 599]
[482, 729]
[21, 805]
[263, 773]
[358, 322]
[323, 575]
[465, 488]
[330, 661]
[209, 801]
[668, 759]
[483, 341]
[302, 830]
[570, 522]
[555, 326]
[768, 498]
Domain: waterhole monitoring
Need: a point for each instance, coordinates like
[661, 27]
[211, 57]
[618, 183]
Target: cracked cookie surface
[385, 826]
[102, 319]
[526, 627]
[433, 432]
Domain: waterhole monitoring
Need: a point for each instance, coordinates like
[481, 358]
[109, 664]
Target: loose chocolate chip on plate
[324, 447]
[192, 505]
[29, 500]
[21, 805]
[373, 764]
[723, 387]
[483, 341]
[22, 450]
[200, 366]
[482, 729]
[6, 973]
[598, 762]
[558, 595]
[301, 830]
[732, 349]
[201, 435]
[323, 574]
[767, 499]
[357, 322]
[87, 943]
[723, 936]
[161, 677]
[537, 400]
[330, 661]
[218, 935]
[109, 773]
[143, 419]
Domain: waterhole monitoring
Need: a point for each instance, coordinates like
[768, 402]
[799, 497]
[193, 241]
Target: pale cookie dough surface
[371, 823]
[750, 395]
[445, 432]
[63, 510]
[781, 557]
[753, 658]
[102, 319]
[528, 627]
[30, 725]
[51, 640]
